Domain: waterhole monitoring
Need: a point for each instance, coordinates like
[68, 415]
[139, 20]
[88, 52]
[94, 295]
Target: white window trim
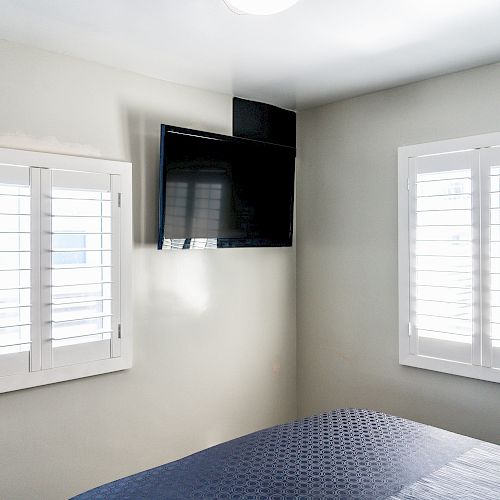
[124, 361]
[405, 154]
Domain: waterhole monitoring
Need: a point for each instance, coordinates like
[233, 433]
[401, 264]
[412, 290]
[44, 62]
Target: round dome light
[259, 7]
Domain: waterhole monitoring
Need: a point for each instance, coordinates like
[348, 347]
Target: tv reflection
[195, 207]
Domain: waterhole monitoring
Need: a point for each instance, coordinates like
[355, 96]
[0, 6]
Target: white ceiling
[316, 52]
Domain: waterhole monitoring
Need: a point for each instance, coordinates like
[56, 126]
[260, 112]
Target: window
[449, 256]
[65, 245]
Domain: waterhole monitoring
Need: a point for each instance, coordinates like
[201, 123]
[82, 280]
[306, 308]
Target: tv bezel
[221, 242]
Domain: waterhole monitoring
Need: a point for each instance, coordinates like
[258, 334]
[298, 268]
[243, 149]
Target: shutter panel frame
[85, 195]
[431, 178]
[26, 357]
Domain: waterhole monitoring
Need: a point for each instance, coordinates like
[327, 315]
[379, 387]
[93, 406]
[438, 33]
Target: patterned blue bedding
[342, 454]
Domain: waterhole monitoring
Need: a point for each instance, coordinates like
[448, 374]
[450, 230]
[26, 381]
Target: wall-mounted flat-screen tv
[220, 191]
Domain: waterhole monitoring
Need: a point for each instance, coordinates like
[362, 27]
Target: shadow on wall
[142, 139]
[142, 135]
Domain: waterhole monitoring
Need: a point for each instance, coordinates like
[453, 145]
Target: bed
[342, 454]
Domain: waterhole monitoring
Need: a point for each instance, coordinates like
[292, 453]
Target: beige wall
[214, 330]
[347, 252]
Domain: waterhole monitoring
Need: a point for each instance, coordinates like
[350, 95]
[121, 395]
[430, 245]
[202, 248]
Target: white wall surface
[347, 252]
[214, 330]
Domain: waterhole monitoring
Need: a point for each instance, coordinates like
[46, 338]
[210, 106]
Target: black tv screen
[221, 191]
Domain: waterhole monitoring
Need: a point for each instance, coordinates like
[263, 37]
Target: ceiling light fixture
[259, 7]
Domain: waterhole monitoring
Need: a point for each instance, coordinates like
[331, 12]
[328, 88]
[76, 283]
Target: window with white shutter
[65, 245]
[449, 256]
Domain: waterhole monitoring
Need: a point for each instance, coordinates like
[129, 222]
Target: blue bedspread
[343, 454]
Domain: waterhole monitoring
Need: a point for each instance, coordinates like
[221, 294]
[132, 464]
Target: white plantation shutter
[444, 251]
[15, 270]
[84, 252]
[65, 243]
[449, 256]
[490, 164]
